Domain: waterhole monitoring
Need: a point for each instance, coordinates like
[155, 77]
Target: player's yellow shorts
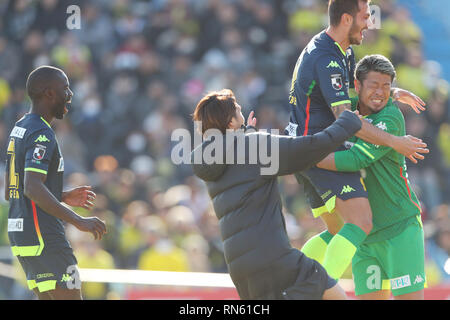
[396, 264]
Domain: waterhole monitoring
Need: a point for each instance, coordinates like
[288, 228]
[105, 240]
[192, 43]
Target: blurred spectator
[438, 247]
[91, 255]
[162, 254]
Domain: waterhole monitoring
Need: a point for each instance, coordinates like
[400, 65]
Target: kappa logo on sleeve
[333, 64]
[42, 138]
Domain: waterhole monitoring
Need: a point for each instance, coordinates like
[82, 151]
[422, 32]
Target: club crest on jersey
[336, 81]
[39, 152]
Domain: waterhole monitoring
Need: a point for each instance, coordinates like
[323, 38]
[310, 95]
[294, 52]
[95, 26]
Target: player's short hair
[336, 8]
[215, 110]
[374, 62]
[39, 78]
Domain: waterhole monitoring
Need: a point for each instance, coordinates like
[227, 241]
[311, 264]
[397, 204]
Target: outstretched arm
[300, 153]
[408, 146]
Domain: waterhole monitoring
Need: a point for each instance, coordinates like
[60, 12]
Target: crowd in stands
[137, 70]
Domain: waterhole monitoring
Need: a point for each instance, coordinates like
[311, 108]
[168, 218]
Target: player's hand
[93, 225]
[411, 147]
[409, 98]
[82, 197]
[251, 121]
[357, 113]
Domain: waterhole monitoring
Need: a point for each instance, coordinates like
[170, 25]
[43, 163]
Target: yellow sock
[316, 247]
[342, 248]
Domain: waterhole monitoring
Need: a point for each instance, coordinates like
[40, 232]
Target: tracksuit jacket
[261, 261]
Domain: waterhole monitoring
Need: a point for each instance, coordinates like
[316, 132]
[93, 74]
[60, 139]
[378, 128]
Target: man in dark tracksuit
[260, 259]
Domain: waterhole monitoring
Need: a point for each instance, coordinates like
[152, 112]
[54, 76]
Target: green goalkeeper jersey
[391, 198]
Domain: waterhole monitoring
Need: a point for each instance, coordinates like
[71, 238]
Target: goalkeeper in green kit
[392, 256]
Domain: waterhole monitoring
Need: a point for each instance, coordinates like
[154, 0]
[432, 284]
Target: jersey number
[13, 176]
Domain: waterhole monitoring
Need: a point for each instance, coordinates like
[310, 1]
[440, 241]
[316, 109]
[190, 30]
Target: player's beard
[354, 31]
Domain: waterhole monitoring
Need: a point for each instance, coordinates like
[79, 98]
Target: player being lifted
[392, 256]
[319, 94]
[34, 183]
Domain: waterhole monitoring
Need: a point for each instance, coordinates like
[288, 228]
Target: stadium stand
[137, 68]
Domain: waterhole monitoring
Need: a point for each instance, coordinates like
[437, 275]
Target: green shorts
[396, 264]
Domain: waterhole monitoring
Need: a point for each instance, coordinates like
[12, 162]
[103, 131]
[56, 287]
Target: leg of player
[418, 295]
[42, 295]
[333, 221]
[334, 293]
[376, 295]
[316, 246]
[65, 294]
[357, 215]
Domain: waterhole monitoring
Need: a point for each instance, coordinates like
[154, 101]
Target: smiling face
[374, 92]
[238, 120]
[360, 23]
[63, 96]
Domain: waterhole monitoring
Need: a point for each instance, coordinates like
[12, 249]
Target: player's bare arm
[409, 98]
[35, 189]
[409, 146]
[328, 163]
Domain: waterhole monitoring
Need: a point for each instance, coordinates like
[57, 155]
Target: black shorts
[311, 283]
[53, 266]
[322, 187]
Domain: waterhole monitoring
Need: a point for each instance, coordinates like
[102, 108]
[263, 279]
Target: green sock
[342, 248]
[316, 247]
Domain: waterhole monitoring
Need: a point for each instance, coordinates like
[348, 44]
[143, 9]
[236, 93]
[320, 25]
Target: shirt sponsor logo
[15, 225]
[44, 275]
[42, 138]
[400, 282]
[326, 194]
[39, 152]
[292, 129]
[336, 81]
[347, 189]
[18, 132]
